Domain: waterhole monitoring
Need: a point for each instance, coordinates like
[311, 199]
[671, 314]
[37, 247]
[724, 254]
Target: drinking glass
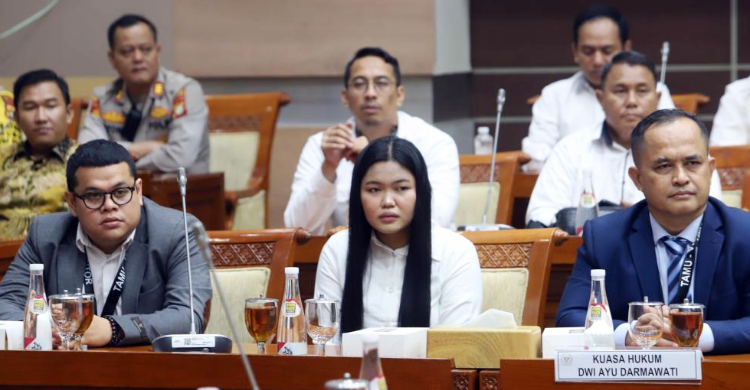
[66, 314]
[646, 322]
[260, 320]
[687, 323]
[322, 321]
[87, 307]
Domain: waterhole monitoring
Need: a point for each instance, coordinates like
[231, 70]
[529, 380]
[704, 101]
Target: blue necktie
[676, 249]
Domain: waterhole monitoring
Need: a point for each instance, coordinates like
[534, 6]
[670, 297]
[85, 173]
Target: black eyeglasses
[95, 200]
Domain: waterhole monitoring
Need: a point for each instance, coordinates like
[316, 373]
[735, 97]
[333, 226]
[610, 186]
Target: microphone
[192, 342]
[182, 181]
[664, 57]
[202, 238]
[484, 226]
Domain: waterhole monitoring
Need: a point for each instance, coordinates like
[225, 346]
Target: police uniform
[9, 131]
[31, 187]
[174, 112]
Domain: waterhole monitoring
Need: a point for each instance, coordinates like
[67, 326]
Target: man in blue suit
[646, 249]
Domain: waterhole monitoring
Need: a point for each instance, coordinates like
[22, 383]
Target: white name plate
[628, 365]
[193, 341]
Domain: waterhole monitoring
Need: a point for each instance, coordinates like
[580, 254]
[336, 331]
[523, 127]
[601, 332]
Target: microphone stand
[484, 226]
[200, 235]
[192, 342]
[664, 57]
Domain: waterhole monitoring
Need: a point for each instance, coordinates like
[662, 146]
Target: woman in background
[394, 267]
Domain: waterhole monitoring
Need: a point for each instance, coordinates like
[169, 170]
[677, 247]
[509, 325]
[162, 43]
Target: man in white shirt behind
[732, 121]
[571, 105]
[373, 92]
[628, 95]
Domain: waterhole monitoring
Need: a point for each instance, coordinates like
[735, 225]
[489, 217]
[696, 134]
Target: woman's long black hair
[415, 294]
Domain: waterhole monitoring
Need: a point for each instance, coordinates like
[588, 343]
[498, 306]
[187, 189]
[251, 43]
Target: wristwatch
[117, 333]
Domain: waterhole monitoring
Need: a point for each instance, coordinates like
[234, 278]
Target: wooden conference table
[136, 367]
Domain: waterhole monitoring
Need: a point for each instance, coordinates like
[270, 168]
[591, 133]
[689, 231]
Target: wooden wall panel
[511, 33]
[298, 37]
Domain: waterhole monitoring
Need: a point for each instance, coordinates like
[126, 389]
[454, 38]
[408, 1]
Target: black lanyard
[114, 292]
[688, 269]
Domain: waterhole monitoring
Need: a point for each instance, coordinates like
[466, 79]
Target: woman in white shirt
[394, 267]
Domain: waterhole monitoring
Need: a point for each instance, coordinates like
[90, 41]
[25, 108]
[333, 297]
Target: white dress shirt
[455, 283]
[315, 200]
[560, 182]
[706, 341]
[732, 121]
[564, 107]
[104, 267]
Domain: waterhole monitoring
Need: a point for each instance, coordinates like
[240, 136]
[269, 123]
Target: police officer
[158, 115]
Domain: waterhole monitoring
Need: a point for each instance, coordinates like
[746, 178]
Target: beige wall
[72, 38]
[283, 38]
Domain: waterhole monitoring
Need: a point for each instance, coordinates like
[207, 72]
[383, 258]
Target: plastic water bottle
[599, 330]
[587, 207]
[292, 329]
[483, 141]
[37, 325]
[371, 370]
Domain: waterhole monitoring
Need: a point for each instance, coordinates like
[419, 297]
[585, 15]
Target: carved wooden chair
[241, 131]
[475, 172]
[515, 270]
[733, 164]
[8, 250]
[688, 102]
[249, 264]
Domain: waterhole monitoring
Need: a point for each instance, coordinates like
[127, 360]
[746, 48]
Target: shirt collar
[394, 131]
[157, 88]
[606, 138]
[59, 150]
[583, 84]
[83, 242]
[689, 233]
[402, 252]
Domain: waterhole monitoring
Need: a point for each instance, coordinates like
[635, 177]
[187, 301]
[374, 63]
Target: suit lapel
[708, 254]
[135, 267]
[643, 256]
[70, 264]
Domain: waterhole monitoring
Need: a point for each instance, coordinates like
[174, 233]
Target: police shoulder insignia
[179, 109]
[95, 110]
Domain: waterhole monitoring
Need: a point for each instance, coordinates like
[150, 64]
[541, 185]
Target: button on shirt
[104, 267]
[706, 342]
[564, 107]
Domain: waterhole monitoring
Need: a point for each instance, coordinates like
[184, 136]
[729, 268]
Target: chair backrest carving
[526, 251]
[476, 169]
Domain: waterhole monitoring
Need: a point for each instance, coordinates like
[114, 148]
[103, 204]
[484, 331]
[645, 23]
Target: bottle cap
[483, 130]
[291, 270]
[370, 338]
[36, 267]
[598, 273]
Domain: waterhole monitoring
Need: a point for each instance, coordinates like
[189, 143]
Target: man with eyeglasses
[158, 115]
[118, 245]
[32, 173]
[373, 93]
